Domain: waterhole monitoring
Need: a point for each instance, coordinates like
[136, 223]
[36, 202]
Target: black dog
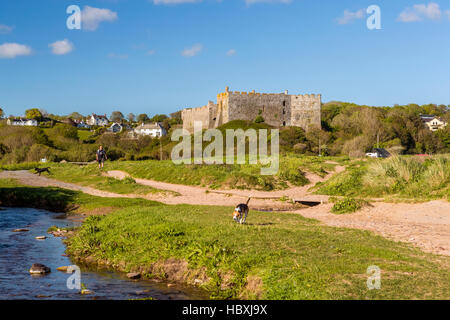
[39, 171]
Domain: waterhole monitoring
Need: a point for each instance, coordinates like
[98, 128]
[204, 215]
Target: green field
[396, 178]
[274, 256]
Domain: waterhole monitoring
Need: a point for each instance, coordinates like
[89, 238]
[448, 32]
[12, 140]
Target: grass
[20, 166]
[91, 176]
[291, 171]
[396, 178]
[291, 257]
[294, 257]
[13, 194]
[347, 205]
[84, 135]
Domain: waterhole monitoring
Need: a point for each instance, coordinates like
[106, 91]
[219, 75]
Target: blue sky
[158, 56]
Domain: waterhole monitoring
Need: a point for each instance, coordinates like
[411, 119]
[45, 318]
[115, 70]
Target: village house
[22, 122]
[153, 130]
[433, 123]
[82, 125]
[117, 127]
[97, 120]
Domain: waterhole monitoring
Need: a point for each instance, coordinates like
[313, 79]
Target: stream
[19, 250]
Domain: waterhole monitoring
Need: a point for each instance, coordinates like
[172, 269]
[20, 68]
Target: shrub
[259, 119]
[348, 205]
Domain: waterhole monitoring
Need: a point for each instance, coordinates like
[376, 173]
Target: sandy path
[190, 194]
[426, 225]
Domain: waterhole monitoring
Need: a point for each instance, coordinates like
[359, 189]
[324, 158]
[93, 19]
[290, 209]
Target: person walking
[101, 157]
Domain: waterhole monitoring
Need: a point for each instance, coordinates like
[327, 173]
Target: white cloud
[447, 13]
[92, 17]
[350, 16]
[250, 2]
[117, 56]
[192, 51]
[61, 47]
[420, 12]
[5, 29]
[231, 52]
[151, 52]
[169, 2]
[12, 50]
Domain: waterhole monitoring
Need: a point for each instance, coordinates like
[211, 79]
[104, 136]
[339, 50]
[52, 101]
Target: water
[18, 251]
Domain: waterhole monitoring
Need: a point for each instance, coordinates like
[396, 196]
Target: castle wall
[274, 108]
[205, 114]
[305, 110]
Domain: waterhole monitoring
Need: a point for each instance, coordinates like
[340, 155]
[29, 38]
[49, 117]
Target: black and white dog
[39, 171]
[240, 212]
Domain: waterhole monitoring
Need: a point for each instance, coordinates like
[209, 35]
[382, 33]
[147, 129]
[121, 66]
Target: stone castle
[277, 109]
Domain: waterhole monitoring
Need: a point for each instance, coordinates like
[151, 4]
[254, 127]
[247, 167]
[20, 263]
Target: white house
[154, 130]
[433, 123]
[97, 120]
[22, 122]
[116, 127]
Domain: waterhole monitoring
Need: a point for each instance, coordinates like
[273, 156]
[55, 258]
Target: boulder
[21, 230]
[41, 238]
[63, 269]
[86, 291]
[38, 268]
[133, 275]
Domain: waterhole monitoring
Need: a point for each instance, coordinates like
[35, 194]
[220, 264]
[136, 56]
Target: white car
[372, 154]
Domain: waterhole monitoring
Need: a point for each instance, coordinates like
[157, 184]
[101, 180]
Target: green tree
[33, 114]
[143, 118]
[76, 116]
[1, 113]
[131, 117]
[117, 116]
[159, 118]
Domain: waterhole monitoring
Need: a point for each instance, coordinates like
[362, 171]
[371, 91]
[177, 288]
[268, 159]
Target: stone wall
[274, 108]
[205, 114]
[305, 110]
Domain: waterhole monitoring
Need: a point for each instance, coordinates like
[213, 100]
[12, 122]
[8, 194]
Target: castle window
[284, 103]
[284, 123]
[284, 111]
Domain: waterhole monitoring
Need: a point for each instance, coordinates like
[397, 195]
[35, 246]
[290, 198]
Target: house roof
[150, 126]
[22, 119]
[99, 116]
[428, 118]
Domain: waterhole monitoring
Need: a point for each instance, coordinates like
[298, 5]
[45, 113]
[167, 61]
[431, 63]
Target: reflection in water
[18, 251]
